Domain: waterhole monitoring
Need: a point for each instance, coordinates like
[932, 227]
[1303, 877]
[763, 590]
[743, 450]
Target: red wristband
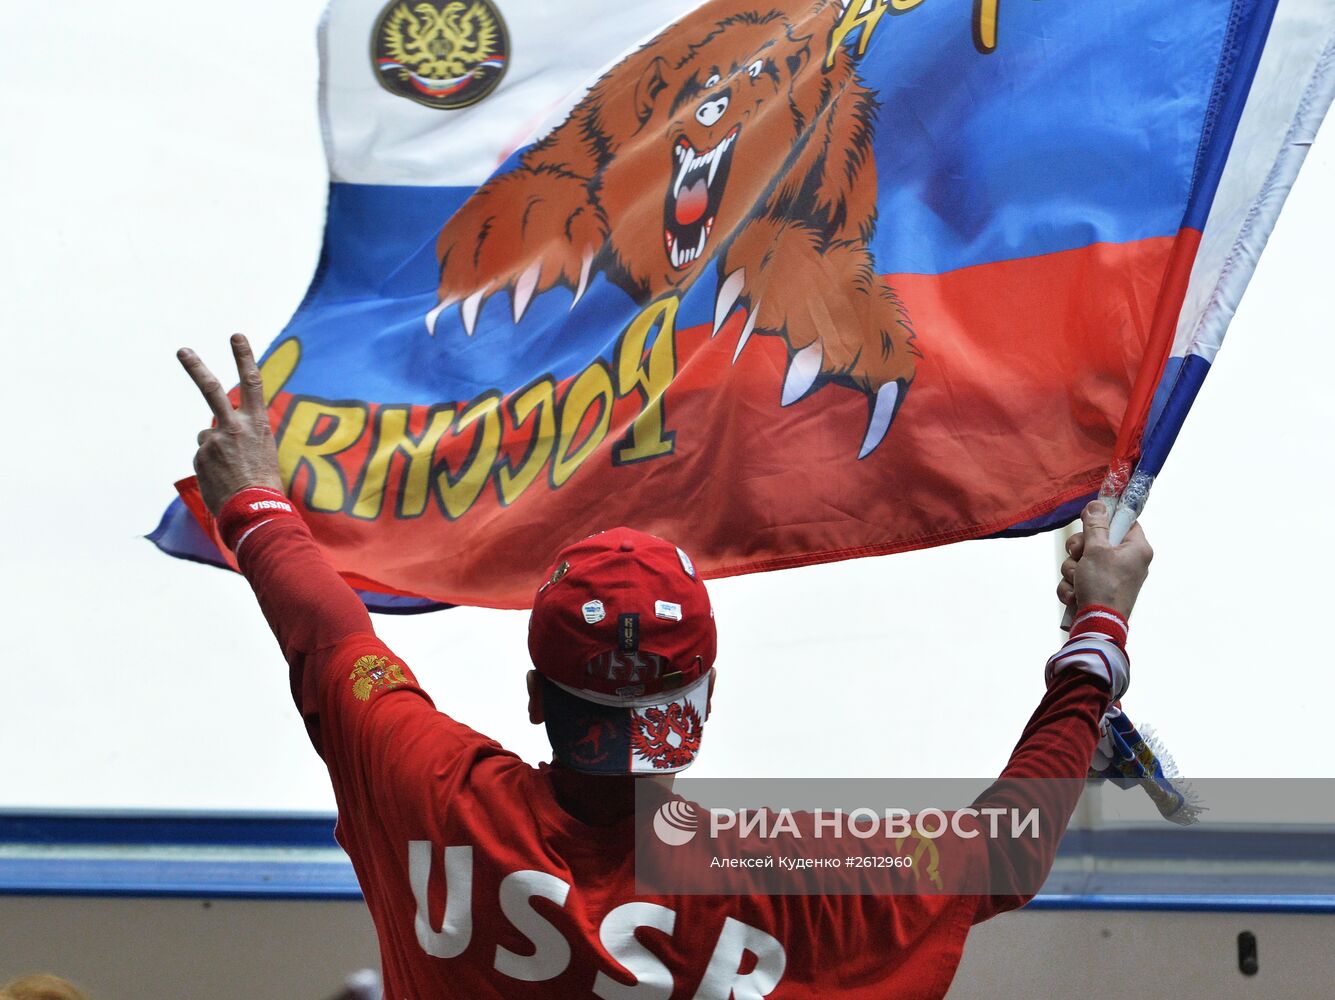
[1103, 620]
[247, 509]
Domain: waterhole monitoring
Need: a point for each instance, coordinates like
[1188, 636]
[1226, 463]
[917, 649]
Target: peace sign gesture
[239, 450]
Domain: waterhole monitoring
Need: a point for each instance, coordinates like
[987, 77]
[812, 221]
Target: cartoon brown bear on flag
[728, 140]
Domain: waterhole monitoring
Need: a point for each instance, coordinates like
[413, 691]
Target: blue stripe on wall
[295, 858]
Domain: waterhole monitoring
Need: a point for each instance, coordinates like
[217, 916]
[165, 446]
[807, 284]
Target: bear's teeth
[681, 175]
[703, 236]
[713, 166]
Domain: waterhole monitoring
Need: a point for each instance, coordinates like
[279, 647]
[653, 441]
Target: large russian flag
[784, 282]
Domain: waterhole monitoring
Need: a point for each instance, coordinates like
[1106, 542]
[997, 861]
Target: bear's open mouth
[694, 197]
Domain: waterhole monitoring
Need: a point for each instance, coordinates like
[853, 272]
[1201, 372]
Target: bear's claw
[802, 371]
[746, 331]
[585, 268]
[434, 314]
[469, 310]
[883, 410]
[525, 287]
[728, 293]
[523, 293]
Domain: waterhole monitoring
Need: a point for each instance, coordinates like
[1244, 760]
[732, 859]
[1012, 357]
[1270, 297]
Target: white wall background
[162, 183]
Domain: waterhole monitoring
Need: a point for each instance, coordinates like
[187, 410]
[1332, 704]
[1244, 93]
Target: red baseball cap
[624, 631]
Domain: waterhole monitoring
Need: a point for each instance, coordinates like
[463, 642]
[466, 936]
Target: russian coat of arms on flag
[785, 282]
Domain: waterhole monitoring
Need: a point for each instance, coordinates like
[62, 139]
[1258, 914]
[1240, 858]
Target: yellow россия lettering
[592, 388]
[392, 436]
[539, 398]
[557, 435]
[650, 377]
[279, 366]
[458, 492]
[314, 432]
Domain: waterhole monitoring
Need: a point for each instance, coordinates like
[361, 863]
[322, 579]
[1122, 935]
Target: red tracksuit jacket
[481, 885]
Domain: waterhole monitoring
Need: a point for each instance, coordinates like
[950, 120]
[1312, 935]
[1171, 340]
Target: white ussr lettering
[653, 979]
[722, 979]
[457, 928]
[551, 952]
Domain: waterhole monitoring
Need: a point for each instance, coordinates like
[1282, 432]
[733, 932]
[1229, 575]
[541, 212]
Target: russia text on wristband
[247, 509]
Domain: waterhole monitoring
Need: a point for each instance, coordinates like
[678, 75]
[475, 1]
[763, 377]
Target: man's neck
[601, 799]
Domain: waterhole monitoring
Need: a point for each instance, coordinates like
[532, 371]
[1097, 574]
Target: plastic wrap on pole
[1129, 505]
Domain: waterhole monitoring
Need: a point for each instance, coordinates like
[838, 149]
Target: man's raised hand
[239, 450]
[1098, 572]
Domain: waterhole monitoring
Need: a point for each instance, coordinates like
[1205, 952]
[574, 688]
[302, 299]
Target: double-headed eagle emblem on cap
[442, 53]
[374, 673]
[666, 737]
